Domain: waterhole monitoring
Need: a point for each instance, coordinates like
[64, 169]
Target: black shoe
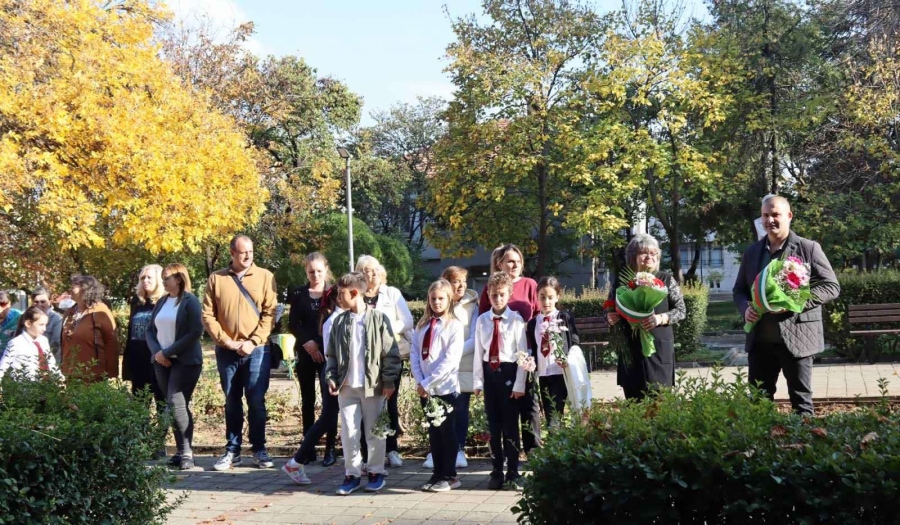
[309, 458]
[174, 461]
[496, 482]
[187, 463]
[329, 458]
[514, 482]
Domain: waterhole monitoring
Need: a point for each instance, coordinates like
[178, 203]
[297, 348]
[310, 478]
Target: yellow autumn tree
[105, 142]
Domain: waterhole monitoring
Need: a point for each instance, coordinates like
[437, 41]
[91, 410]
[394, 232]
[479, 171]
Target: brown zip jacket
[227, 316]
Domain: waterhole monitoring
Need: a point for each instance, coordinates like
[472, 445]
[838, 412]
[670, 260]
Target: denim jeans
[462, 418]
[244, 376]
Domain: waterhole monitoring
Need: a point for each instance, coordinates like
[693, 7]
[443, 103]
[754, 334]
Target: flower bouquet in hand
[382, 428]
[436, 411]
[782, 285]
[636, 300]
[526, 363]
[556, 327]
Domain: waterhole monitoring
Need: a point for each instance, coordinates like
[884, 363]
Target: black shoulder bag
[274, 350]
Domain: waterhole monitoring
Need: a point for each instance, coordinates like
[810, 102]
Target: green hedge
[78, 454]
[716, 454]
[858, 288]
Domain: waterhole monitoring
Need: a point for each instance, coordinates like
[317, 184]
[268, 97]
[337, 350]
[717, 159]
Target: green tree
[504, 171]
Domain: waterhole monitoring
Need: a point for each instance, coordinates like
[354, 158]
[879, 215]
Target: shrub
[78, 454]
[857, 288]
[716, 453]
[689, 330]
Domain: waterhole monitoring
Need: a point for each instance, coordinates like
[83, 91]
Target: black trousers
[502, 413]
[179, 382]
[442, 442]
[326, 425]
[766, 360]
[307, 372]
[530, 414]
[553, 396]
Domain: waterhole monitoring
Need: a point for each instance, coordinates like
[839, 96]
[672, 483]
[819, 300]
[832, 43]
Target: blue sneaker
[376, 482]
[350, 485]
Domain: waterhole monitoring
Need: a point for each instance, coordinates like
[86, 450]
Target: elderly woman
[642, 255]
[90, 350]
[137, 362]
[390, 301]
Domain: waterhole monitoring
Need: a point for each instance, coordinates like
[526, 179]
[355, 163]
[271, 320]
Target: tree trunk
[692, 271]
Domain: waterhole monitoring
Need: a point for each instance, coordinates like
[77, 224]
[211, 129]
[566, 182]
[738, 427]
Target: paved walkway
[248, 495]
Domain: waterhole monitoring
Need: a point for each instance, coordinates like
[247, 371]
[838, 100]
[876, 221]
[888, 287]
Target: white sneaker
[395, 460]
[296, 472]
[429, 462]
[227, 461]
[461, 461]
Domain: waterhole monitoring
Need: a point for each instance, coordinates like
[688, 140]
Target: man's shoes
[227, 461]
[395, 460]
[429, 461]
[174, 461]
[376, 482]
[461, 461]
[296, 472]
[186, 463]
[262, 459]
[514, 483]
[329, 458]
[496, 482]
[350, 485]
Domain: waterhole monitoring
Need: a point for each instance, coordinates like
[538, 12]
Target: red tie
[545, 343]
[494, 355]
[426, 343]
[42, 359]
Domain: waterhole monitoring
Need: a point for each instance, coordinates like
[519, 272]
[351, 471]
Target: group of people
[353, 336]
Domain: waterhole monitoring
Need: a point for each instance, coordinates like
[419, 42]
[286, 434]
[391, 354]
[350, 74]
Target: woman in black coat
[304, 323]
[642, 255]
[174, 340]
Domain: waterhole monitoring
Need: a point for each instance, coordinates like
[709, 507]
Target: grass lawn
[722, 316]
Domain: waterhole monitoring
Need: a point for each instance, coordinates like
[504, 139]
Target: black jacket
[570, 338]
[803, 333]
[188, 330]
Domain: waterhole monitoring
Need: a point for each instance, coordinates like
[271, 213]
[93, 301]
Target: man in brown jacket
[238, 313]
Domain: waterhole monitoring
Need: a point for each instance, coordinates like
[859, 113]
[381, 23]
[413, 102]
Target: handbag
[275, 351]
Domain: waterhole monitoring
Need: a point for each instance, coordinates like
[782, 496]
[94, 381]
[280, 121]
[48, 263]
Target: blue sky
[388, 51]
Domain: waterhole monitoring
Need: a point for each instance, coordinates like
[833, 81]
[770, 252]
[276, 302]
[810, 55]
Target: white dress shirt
[512, 340]
[438, 374]
[22, 354]
[165, 322]
[546, 366]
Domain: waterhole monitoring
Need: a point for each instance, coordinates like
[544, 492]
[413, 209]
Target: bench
[589, 331]
[870, 315]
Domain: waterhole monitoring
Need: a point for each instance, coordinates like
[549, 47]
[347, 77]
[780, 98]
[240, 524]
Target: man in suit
[785, 342]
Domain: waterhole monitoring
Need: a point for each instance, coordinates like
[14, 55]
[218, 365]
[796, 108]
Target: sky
[387, 51]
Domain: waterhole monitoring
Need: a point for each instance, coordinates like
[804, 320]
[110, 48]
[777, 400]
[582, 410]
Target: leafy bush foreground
[716, 453]
[78, 453]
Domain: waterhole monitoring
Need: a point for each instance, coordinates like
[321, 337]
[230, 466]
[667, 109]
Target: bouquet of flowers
[526, 362]
[782, 285]
[382, 427]
[436, 410]
[636, 300]
[556, 327]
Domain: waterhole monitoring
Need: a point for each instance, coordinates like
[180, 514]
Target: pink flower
[795, 259]
[793, 281]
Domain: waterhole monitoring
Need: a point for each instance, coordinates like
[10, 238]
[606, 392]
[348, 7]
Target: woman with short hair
[642, 255]
[173, 337]
[90, 350]
[389, 301]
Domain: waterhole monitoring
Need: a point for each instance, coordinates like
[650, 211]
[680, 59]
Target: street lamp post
[346, 156]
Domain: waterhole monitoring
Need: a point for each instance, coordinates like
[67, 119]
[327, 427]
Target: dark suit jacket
[188, 330]
[803, 333]
[570, 337]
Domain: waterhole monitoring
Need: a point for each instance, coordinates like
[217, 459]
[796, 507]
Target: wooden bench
[590, 329]
[870, 315]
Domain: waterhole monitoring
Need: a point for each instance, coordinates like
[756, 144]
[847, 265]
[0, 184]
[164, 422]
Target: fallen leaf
[868, 438]
[778, 431]
[820, 432]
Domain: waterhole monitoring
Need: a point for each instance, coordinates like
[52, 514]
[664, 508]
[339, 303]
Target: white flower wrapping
[436, 411]
[382, 427]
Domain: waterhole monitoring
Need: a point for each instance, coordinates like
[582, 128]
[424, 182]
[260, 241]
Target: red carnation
[659, 283]
[793, 280]
[610, 304]
[632, 285]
